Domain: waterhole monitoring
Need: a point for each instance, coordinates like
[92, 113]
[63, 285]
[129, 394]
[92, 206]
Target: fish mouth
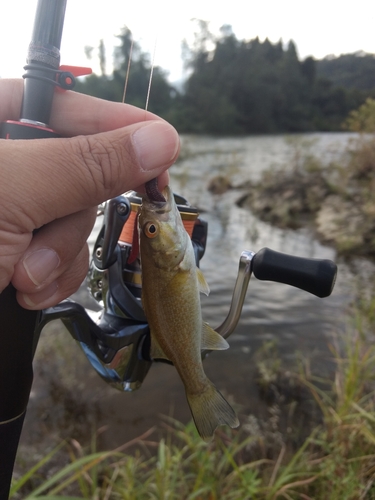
[155, 203]
[153, 193]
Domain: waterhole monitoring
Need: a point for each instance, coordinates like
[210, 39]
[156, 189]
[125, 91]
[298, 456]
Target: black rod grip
[17, 330]
[16, 355]
[9, 437]
[316, 276]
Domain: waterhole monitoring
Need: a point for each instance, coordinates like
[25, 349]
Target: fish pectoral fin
[156, 352]
[212, 340]
[202, 283]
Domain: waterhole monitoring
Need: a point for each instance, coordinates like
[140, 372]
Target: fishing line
[128, 71]
[151, 75]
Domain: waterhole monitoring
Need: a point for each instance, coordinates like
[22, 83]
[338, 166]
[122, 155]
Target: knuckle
[101, 160]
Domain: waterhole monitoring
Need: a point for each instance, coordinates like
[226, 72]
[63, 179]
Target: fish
[171, 286]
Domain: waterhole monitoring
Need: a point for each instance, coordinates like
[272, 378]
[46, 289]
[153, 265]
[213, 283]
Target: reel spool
[124, 228]
[132, 276]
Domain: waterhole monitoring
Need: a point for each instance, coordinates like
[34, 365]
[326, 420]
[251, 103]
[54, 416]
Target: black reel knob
[316, 276]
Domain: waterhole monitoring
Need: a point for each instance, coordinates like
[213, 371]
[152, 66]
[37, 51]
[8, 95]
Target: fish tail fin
[210, 409]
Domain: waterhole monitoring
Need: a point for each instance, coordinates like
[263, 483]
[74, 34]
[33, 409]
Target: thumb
[58, 177]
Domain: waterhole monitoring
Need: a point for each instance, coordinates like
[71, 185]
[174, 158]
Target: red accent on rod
[76, 70]
[31, 125]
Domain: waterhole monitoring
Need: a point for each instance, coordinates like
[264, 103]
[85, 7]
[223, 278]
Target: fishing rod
[19, 336]
[116, 339]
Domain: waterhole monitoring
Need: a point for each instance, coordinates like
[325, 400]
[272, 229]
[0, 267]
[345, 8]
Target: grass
[335, 461]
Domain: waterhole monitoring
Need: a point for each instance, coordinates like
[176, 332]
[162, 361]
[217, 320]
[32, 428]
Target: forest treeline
[240, 86]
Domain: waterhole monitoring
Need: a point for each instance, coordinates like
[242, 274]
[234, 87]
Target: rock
[286, 198]
[344, 223]
[219, 184]
[338, 198]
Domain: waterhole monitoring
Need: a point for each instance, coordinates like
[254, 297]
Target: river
[69, 400]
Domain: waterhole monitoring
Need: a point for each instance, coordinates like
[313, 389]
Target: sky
[318, 28]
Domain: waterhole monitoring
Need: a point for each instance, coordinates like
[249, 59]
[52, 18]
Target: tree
[238, 86]
[363, 118]
[128, 57]
[102, 57]
[351, 71]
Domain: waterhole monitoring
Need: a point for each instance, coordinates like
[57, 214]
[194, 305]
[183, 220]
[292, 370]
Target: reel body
[116, 340]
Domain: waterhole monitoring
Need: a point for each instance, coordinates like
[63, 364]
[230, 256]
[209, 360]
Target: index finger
[76, 114]
[73, 113]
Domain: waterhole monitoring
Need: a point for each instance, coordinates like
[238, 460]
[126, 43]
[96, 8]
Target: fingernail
[155, 144]
[40, 264]
[36, 299]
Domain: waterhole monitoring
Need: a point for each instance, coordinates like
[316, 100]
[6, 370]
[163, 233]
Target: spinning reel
[116, 340]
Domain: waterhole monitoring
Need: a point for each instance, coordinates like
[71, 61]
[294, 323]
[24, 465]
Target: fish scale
[171, 284]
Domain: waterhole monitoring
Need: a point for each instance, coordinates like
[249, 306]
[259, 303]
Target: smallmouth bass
[171, 283]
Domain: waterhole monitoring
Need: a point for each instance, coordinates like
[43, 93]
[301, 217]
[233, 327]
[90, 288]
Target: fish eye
[151, 229]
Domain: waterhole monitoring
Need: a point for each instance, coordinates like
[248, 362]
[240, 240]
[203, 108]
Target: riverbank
[337, 199]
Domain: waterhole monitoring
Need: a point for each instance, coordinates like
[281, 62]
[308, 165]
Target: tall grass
[335, 462]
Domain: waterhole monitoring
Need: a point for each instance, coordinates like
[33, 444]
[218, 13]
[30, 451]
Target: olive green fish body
[171, 285]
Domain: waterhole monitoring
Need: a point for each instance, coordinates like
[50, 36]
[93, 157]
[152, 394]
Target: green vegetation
[351, 71]
[240, 86]
[112, 87]
[362, 119]
[258, 87]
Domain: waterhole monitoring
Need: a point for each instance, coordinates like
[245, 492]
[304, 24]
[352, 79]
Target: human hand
[56, 184]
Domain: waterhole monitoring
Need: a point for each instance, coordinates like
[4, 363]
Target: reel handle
[316, 276]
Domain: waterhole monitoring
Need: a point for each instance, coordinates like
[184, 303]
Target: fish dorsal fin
[202, 283]
[212, 340]
[156, 352]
